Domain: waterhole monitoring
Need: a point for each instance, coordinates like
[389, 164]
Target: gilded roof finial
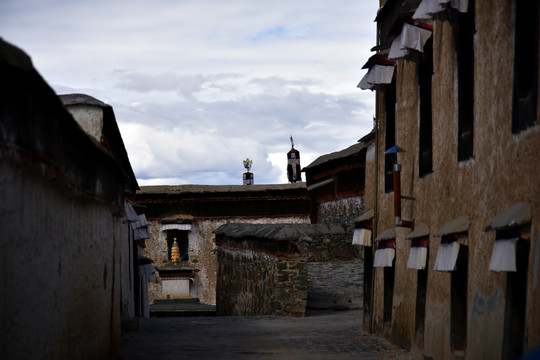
[175, 252]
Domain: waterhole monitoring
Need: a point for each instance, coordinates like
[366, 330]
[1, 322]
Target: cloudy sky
[198, 86]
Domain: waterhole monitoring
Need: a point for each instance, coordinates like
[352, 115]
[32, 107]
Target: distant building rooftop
[203, 201]
[352, 150]
[185, 189]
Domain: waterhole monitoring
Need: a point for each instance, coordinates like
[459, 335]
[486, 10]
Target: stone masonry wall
[341, 211]
[248, 278]
[257, 283]
[291, 288]
[262, 269]
[202, 253]
[333, 247]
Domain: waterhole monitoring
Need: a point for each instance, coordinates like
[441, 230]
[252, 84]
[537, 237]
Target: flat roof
[179, 189]
[350, 151]
[80, 99]
[279, 232]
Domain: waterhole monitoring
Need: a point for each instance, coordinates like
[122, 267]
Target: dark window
[368, 283]
[389, 276]
[425, 73]
[525, 94]
[458, 307]
[516, 299]
[390, 135]
[464, 36]
[182, 241]
[420, 313]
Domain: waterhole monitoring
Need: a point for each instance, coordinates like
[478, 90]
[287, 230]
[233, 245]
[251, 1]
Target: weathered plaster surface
[500, 174]
[90, 118]
[486, 315]
[60, 217]
[437, 337]
[59, 261]
[342, 211]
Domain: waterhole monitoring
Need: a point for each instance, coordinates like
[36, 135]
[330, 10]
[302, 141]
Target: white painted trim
[165, 227]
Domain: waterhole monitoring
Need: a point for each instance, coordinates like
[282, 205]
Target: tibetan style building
[65, 285]
[336, 184]
[191, 214]
[456, 206]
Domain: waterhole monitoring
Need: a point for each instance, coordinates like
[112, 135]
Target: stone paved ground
[329, 335]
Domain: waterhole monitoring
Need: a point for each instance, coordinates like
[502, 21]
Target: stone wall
[202, 258]
[249, 277]
[333, 246]
[202, 253]
[291, 288]
[254, 282]
[262, 269]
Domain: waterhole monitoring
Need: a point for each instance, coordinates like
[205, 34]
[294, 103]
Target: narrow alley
[322, 334]
[332, 328]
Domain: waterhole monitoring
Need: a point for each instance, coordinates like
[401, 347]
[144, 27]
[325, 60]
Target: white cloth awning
[148, 271]
[417, 258]
[396, 51]
[413, 36]
[447, 256]
[140, 228]
[166, 227]
[428, 9]
[141, 233]
[362, 236]
[141, 222]
[384, 257]
[130, 213]
[503, 257]
[460, 5]
[379, 74]
[419, 250]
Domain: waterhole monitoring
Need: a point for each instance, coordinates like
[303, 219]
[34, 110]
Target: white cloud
[198, 86]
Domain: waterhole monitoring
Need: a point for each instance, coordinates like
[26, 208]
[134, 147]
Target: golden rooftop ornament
[175, 252]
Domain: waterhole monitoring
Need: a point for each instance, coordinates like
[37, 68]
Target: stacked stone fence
[262, 269]
[333, 246]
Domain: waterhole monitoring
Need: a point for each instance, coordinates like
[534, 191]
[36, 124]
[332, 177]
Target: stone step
[341, 296]
[334, 306]
[177, 301]
[333, 301]
[180, 307]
